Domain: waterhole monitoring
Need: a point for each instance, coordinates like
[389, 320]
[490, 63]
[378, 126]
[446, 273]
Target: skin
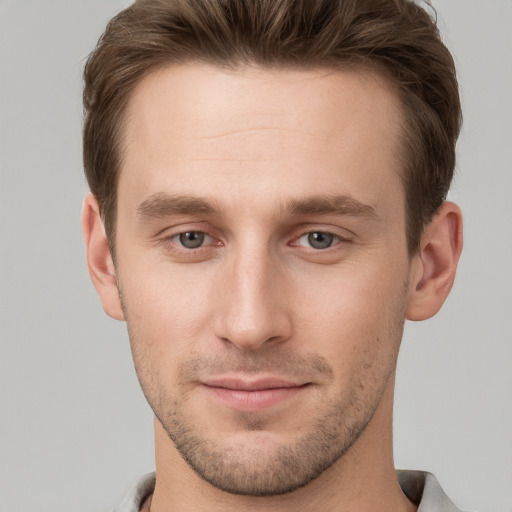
[258, 161]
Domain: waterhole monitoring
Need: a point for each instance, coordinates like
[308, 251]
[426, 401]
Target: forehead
[191, 127]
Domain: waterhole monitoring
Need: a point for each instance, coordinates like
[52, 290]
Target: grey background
[74, 427]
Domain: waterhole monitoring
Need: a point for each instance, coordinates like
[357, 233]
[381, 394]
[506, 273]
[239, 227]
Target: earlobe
[434, 267]
[99, 259]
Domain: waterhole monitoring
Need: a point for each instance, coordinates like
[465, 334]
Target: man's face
[262, 263]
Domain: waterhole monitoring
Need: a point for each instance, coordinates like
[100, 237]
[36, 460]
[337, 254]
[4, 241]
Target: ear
[433, 268]
[99, 259]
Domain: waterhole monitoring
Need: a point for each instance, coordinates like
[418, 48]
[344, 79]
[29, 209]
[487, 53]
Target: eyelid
[185, 226]
[169, 242]
[178, 235]
[167, 239]
[336, 240]
[343, 234]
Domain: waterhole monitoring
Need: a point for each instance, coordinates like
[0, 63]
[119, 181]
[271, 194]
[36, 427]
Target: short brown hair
[396, 37]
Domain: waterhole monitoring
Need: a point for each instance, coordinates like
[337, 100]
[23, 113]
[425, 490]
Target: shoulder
[423, 489]
[137, 494]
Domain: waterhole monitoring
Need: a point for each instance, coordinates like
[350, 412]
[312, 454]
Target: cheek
[355, 314]
[167, 300]
[166, 315]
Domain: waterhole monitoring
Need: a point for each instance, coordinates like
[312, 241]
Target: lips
[251, 385]
[253, 395]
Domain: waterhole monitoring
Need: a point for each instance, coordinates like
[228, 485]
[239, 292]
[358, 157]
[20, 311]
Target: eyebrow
[162, 205]
[336, 204]
[165, 205]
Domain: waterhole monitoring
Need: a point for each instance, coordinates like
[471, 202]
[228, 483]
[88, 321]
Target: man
[267, 207]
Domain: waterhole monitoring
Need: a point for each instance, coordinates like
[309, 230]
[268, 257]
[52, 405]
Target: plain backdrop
[75, 430]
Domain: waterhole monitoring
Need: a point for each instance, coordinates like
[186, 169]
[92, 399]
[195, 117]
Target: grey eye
[319, 240]
[192, 239]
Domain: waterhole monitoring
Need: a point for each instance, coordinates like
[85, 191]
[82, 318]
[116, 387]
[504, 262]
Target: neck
[364, 479]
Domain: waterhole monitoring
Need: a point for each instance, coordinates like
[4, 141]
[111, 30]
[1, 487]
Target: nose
[253, 309]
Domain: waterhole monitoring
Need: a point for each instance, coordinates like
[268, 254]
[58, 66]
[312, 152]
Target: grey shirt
[421, 488]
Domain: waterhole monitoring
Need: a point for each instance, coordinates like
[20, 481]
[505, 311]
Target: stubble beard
[252, 469]
[266, 466]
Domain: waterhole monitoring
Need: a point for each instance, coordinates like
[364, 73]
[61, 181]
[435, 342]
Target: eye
[318, 239]
[192, 239]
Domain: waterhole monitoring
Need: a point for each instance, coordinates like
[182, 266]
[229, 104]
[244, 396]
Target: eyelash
[336, 239]
[173, 244]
